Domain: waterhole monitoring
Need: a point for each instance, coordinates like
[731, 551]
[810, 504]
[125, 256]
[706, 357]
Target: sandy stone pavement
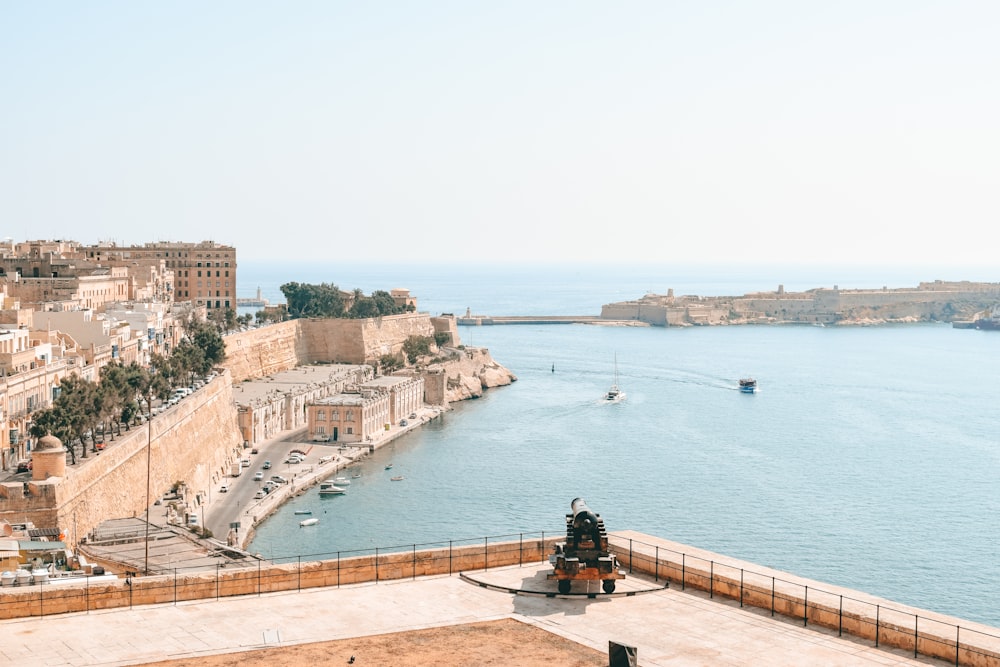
[504, 642]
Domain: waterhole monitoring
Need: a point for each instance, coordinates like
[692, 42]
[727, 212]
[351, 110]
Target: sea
[869, 457]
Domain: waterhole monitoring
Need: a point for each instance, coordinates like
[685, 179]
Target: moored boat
[308, 522]
[303, 511]
[397, 478]
[331, 489]
[748, 385]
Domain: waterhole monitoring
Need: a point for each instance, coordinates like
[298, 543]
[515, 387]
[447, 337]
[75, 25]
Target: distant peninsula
[960, 303]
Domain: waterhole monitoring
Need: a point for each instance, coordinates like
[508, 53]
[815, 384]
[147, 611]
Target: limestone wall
[280, 347]
[192, 442]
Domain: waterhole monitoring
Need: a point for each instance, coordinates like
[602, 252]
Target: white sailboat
[615, 393]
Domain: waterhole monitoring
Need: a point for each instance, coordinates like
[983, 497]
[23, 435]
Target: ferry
[748, 385]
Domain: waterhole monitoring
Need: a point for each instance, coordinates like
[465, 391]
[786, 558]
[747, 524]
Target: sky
[662, 131]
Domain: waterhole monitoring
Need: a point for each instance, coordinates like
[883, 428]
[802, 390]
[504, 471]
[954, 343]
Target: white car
[258, 476]
[224, 488]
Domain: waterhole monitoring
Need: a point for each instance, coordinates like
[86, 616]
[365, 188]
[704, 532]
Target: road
[225, 508]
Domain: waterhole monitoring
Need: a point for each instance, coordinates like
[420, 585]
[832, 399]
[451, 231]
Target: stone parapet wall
[265, 577]
[812, 603]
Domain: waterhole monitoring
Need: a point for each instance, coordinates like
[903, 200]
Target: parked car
[254, 451]
[245, 463]
[258, 476]
[267, 464]
[321, 437]
[224, 488]
[279, 479]
[24, 466]
[413, 415]
[260, 494]
[403, 422]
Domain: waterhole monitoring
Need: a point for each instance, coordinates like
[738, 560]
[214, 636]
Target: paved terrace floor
[669, 627]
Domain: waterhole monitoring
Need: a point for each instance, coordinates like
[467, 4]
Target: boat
[397, 478]
[389, 467]
[303, 511]
[615, 393]
[331, 489]
[356, 475]
[748, 385]
[342, 481]
[308, 522]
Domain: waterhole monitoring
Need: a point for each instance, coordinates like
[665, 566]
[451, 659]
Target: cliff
[468, 372]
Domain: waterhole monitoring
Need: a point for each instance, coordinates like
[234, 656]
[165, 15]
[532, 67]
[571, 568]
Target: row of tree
[84, 408]
[327, 300]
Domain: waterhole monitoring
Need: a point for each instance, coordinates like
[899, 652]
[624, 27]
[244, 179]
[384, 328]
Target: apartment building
[204, 273]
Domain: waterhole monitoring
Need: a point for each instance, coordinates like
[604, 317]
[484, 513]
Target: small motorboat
[342, 481]
[331, 489]
[308, 522]
[748, 385]
[389, 467]
[397, 478]
[356, 475]
[303, 511]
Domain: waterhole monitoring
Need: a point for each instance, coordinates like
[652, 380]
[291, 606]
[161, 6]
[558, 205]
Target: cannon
[584, 555]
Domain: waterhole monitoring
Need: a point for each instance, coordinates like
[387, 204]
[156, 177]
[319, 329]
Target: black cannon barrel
[584, 521]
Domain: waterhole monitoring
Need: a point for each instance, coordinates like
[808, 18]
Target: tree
[416, 346]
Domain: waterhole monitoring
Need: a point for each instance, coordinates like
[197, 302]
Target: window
[321, 415]
[349, 416]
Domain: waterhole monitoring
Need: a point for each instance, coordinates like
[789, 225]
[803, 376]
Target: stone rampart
[192, 442]
[280, 347]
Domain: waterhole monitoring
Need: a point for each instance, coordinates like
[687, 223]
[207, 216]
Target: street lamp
[149, 450]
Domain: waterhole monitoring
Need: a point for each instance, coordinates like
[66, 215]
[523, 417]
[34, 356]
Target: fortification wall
[193, 442]
[264, 351]
[281, 347]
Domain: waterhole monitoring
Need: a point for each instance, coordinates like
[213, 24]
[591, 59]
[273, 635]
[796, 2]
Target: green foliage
[305, 300]
[442, 338]
[389, 363]
[416, 346]
[326, 300]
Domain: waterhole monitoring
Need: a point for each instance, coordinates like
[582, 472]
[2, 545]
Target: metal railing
[884, 625]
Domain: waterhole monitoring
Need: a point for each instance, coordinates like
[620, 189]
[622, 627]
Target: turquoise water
[868, 457]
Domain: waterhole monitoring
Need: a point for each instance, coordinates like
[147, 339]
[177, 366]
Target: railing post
[805, 608]
[486, 553]
[631, 556]
[741, 586]
[840, 629]
[449, 557]
[878, 609]
[376, 565]
[772, 596]
[656, 567]
[711, 579]
[958, 631]
[683, 571]
[298, 571]
[916, 633]
[414, 562]
[338, 569]
[520, 549]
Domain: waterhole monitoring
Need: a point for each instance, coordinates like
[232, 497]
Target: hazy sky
[756, 131]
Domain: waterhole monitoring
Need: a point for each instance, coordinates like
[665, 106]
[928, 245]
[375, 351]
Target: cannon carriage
[584, 555]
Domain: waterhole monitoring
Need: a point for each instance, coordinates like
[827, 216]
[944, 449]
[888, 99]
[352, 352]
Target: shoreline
[304, 475]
